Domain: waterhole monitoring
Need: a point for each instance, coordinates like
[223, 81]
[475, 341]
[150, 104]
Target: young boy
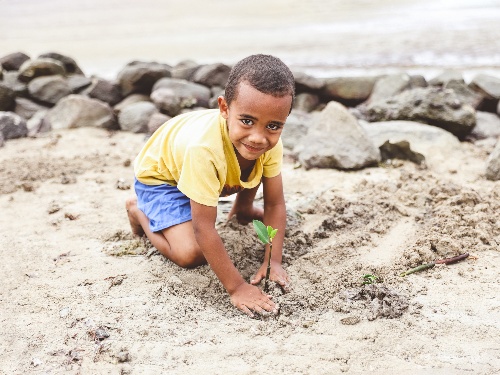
[196, 157]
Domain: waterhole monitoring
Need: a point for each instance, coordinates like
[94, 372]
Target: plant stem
[419, 268]
[268, 271]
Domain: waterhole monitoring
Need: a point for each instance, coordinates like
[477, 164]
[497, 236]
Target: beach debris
[350, 320]
[266, 235]
[121, 184]
[427, 266]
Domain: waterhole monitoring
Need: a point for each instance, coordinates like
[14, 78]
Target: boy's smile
[255, 121]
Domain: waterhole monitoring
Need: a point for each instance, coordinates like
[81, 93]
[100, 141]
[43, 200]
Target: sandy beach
[81, 295]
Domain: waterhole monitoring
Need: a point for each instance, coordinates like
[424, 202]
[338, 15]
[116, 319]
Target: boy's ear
[223, 107]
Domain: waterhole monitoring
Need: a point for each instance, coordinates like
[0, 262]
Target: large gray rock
[447, 76]
[40, 67]
[172, 95]
[307, 83]
[131, 99]
[348, 90]
[185, 70]
[465, 94]
[156, 120]
[7, 98]
[435, 144]
[487, 85]
[78, 82]
[75, 111]
[389, 86]
[13, 61]
[212, 75]
[493, 164]
[49, 89]
[336, 140]
[306, 102]
[430, 105]
[139, 77]
[297, 124]
[70, 65]
[135, 117]
[487, 126]
[26, 108]
[38, 123]
[12, 126]
[11, 80]
[104, 90]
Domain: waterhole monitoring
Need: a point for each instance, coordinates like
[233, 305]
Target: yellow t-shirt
[193, 152]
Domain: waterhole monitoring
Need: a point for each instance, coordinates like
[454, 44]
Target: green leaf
[269, 230]
[261, 230]
[273, 233]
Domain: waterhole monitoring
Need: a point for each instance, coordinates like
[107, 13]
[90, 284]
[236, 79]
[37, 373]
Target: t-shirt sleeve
[199, 178]
[273, 161]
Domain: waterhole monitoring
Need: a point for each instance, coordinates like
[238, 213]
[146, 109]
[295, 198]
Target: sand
[80, 295]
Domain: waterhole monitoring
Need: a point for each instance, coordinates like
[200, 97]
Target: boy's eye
[273, 127]
[247, 121]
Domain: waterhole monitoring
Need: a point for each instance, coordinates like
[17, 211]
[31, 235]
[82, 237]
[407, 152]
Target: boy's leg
[243, 207]
[184, 250]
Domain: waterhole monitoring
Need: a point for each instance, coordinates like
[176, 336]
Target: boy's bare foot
[246, 216]
[131, 206]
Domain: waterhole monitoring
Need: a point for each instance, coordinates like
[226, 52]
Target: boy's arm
[244, 296]
[275, 216]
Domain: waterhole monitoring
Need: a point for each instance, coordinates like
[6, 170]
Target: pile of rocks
[337, 115]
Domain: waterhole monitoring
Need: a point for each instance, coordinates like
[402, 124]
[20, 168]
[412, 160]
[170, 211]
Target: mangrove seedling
[266, 235]
[369, 279]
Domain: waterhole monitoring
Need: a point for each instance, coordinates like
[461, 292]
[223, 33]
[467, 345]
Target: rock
[336, 140]
[185, 70]
[69, 64]
[389, 86]
[172, 95]
[135, 117]
[78, 82]
[139, 77]
[7, 98]
[435, 144]
[104, 90]
[40, 67]
[37, 124]
[493, 164]
[10, 79]
[431, 105]
[212, 75]
[306, 102]
[307, 83]
[76, 111]
[486, 85]
[446, 77]
[465, 94]
[26, 108]
[2, 140]
[487, 126]
[295, 128]
[418, 81]
[348, 90]
[400, 150]
[12, 126]
[156, 120]
[49, 89]
[14, 60]
[131, 99]
[216, 92]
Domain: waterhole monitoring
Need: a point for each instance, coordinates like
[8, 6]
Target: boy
[196, 157]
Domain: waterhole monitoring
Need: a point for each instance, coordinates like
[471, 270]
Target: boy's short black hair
[266, 73]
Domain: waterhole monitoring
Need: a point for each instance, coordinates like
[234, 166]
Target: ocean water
[321, 37]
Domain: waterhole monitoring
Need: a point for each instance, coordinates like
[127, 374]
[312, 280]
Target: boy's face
[254, 120]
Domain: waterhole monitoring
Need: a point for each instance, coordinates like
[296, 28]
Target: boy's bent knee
[190, 258]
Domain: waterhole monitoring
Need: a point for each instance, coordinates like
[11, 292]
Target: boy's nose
[257, 137]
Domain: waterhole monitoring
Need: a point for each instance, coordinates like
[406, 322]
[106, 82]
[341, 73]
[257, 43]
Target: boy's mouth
[253, 149]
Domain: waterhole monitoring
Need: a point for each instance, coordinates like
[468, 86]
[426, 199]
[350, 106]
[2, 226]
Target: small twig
[432, 264]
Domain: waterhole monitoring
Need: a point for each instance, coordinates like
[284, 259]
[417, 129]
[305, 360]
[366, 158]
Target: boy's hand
[278, 275]
[249, 298]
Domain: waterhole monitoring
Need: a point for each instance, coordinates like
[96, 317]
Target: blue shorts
[164, 205]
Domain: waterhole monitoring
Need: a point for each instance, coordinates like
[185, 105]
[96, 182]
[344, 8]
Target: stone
[430, 105]
[131, 99]
[37, 124]
[390, 85]
[40, 67]
[307, 83]
[446, 77]
[7, 98]
[78, 82]
[76, 111]
[487, 126]
[139, 77]
[13, 61]
[26, 108]
[336, 140]
[295, 128]
[348, 90]
[104, 90]
[465, 93]
[156, 120]
[486, 85]
[172, 95]
[10, 79]
[135, 117]
[69, 63]
[49, 89]
[185, 70]
[493, 164]
[306, 102]
[212, 75]
[12, 126]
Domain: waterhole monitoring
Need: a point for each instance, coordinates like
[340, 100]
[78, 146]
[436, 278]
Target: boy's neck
[246, 166]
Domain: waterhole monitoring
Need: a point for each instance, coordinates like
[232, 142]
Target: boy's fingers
[246, 310]
[256, 279]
